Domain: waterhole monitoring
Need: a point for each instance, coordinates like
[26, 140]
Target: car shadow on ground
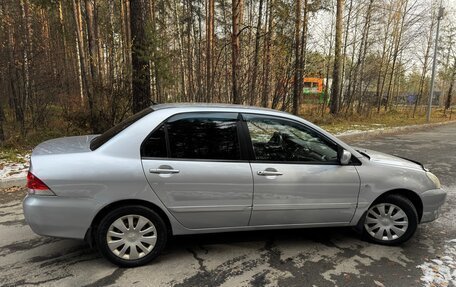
[178, 243]
[181, 242]
[319, 235]
[72, 252]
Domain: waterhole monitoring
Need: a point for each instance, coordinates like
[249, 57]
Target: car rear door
[297, 176]
[195, 164]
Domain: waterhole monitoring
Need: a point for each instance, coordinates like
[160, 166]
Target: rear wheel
[131, 236]
[390, 221]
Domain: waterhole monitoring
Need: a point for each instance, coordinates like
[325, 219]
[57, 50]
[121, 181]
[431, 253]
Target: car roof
[209, 105]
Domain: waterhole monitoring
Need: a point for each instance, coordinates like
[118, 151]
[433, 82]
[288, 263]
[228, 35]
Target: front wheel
[131, 236]
[391, 221]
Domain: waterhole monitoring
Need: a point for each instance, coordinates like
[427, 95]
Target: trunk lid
[65, 145]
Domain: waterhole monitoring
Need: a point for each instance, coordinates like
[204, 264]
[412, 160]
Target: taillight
[36, 186]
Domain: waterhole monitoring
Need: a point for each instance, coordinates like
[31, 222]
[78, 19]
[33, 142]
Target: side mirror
[345, 157]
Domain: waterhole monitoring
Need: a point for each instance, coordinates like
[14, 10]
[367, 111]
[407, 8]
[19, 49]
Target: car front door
[195, 164]
[297, 175]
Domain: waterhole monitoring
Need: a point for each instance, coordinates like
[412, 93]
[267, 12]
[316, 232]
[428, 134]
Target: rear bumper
[59, 216]
[432, 202]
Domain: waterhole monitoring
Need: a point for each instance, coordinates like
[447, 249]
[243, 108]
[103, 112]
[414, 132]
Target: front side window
[276, 139]
[203, 136]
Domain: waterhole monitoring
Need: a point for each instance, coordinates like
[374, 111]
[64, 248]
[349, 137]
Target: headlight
[434, 179]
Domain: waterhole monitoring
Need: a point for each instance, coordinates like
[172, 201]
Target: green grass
[13, 155]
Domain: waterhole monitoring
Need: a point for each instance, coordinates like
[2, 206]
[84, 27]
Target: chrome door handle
[163, 170]
[269, 173]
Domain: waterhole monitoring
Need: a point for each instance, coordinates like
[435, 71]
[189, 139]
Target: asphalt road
[308, 257]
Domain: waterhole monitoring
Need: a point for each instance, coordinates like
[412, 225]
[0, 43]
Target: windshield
[109, 134]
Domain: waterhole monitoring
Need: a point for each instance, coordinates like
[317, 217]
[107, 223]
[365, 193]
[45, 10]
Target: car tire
[395, 213]
[131, 236]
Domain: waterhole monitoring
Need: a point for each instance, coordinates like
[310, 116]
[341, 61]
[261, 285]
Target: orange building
[313, 85]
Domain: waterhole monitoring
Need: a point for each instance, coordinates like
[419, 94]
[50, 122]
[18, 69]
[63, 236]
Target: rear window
[204, 136]
[109, 134]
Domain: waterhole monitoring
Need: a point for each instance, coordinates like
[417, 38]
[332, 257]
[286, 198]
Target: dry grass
[18, 145]
[401, 116]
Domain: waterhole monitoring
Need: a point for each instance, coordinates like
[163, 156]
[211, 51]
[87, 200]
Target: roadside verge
[362, 135]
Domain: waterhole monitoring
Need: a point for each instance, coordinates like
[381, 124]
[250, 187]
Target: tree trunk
[344, 53]
[140, 65]
[397, 37]
[297, 52]
[3, 71]
[26, 60]
[2, 119]
[199, 68]
[80, 71]
[190, 52]
[379, 88]
[183, 95]
[267, 56]
[113, 67]
[363, 53]
[128, 27]
[99, 45]
[235, 56]
[126, 43]
[226, 29]
[252, 90]
[16, 97]
[79, 50]
[303, 53]
[325, 98]
[93, 63]
[209, 47]
[157, 91]
[335, 90]
[65, 49]
[352, 75]
[86, 85]
[425, 67]
[450, 88]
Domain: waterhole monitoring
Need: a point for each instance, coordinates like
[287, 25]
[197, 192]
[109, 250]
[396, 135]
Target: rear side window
[109, 134]
[204, 136]
[155, 144]
[212, 136]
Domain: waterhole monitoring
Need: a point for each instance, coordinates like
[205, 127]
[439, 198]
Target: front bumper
[59, 216]
[432, 202]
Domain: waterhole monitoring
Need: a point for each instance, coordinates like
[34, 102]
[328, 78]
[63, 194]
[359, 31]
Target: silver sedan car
[195, 168]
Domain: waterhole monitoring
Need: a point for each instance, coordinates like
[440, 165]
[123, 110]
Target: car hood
[64, 145]
[387, 159]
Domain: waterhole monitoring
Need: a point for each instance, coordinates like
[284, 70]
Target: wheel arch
[409, 194]
[108, 208]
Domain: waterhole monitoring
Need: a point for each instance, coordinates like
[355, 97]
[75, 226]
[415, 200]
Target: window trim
[243, 147]
[252, 158]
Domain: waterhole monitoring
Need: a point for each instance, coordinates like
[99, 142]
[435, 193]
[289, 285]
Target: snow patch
[358, 131]
[441, 271]
[14, 170]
